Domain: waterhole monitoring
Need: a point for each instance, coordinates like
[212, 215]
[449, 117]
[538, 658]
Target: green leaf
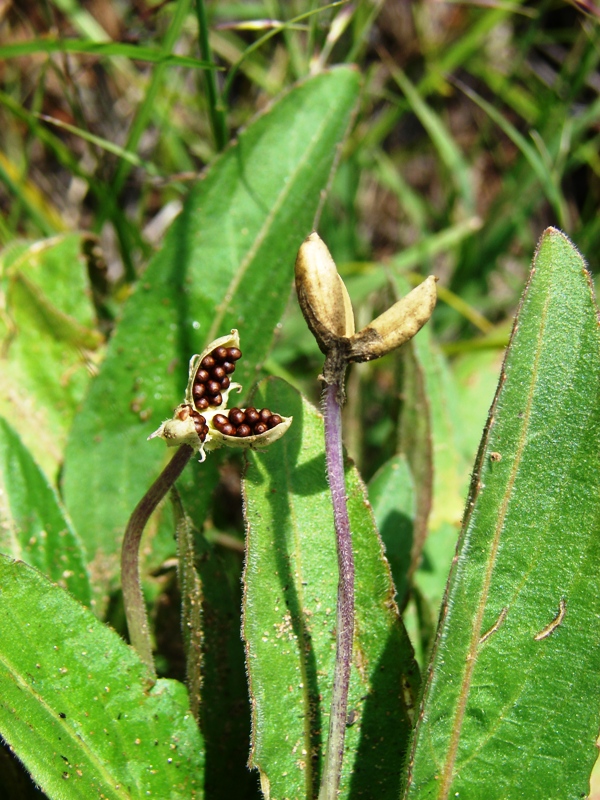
[76, 706]
[515, 665]
[227, 262]
[33, 526]
[392, 496]
[103, 50]
[48, 324]
[291, 581]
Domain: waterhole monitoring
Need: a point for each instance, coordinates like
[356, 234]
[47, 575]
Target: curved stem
[345, 602]
[133, 599]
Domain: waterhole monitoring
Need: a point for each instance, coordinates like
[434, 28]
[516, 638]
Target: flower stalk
[327, 309]
[133, 599]
[345, 601]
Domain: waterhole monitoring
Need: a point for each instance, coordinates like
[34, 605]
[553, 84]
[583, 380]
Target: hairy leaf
[291, 581]
[513, 677]
[76, 705]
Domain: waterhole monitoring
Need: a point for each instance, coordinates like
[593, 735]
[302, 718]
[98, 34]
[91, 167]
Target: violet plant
[327, 310]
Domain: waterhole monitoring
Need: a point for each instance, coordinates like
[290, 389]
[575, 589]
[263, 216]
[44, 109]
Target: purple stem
[133, 599]
[345, 602]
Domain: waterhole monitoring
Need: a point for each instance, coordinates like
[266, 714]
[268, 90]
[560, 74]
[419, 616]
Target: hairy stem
[216, 112]
[345, 602]
[133, 599]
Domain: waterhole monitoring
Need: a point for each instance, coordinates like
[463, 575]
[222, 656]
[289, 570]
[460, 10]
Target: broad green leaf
[76, 706]
[392, 497]
[514, 673]
[33, 526]
[291, 581]
[227, 262]
[47, 325]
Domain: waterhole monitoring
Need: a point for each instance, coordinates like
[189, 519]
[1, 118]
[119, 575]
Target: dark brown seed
[233, 353]
[265, 414]
[260, 427]
[216, 400]
[213, 387]
[236, 416]
[218, 373]
[273, 420]
[199, 426]
[207, 362]
[252, 416]
[202, 402]
[228, 430]
[225, 383]
[205, 431]
[243, 430]
[228, 367]
[183, 413]
[220, 420]
[199, 390]
[201, 376]
[219, 353]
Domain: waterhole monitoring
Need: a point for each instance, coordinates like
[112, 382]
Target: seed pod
[213, 428]
[246, 438]
[322, 294]
[202, 372]
[396, 325]
[181, 429]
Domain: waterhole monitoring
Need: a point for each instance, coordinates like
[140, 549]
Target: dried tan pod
[396, 325]
[322, 295]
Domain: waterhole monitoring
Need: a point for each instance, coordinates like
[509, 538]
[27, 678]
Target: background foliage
[478, 126]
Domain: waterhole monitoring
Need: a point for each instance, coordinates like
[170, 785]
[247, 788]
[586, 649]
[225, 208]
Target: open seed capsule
[208, 391]
[209, 380]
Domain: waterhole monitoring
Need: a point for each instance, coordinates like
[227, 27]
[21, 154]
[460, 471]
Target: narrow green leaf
[514, 670]
[291, 581]
[48, 324]
[227, 262]
[33, 526]
[102, 49]
[76, 706]
[392, 497]
[447, 149]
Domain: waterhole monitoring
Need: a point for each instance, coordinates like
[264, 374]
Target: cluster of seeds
[212, 376]
[249, 422]
[199, 421]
